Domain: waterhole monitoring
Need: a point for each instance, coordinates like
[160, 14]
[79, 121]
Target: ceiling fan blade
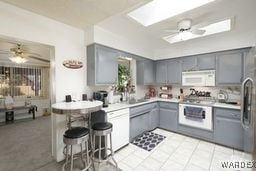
[39, 59]
[5, 51]
[2, 52]
[170, 36]
[34, 54]
[198, 32]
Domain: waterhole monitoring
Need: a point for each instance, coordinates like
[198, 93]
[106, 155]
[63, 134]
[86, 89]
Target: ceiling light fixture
[159, 10]
[18, 59]
[210, 29]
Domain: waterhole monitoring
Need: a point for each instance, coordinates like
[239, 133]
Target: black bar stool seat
[76, 132]
[101, 126]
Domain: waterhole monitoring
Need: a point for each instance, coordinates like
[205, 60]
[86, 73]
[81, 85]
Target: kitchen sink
[135, 101]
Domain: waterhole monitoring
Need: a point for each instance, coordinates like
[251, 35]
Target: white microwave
[198, 78]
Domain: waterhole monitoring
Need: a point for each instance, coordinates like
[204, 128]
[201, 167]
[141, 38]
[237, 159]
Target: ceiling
[111, 15]
[42, 51]
[78, 13]
[240, 10]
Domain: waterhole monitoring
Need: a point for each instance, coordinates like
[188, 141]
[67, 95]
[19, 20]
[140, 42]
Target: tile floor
[177, 152]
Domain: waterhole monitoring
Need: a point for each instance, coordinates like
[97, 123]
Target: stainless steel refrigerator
[248, 101]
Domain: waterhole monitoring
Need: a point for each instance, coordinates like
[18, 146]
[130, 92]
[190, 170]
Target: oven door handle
[189, 116]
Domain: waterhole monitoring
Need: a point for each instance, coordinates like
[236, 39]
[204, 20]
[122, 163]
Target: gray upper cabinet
[189, 63]
[161, 72]
[229, 67]
[206, 62]
[174, 71]
[102, 65]
[145, 72]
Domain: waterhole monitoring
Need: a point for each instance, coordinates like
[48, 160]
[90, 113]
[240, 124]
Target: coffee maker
[101, 96]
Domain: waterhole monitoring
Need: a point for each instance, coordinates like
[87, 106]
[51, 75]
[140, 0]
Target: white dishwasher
[121, 126]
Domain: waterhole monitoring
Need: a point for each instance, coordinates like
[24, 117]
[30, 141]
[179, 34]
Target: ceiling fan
[20, 55]
[185, 28]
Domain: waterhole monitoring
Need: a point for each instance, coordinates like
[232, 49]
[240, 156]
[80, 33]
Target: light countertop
[228, 106]
[118, 106]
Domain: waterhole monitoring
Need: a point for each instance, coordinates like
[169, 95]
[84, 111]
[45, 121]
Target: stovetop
[199, 101]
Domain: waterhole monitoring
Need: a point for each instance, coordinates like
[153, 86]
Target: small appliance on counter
[222, 96]
[152, 92]
[102, 96]
[165, 92]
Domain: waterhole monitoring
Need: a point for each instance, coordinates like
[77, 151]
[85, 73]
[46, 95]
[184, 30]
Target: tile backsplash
[232, 91]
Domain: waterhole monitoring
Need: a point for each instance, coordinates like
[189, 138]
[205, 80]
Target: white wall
[114, 40]
[68, 42]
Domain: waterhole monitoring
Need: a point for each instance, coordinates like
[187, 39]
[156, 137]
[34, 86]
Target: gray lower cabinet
[138, 124]
[168, 116]
[142, 118]
[161, 72]
[154, 119]
[168, 119]
[227, 129]
[102, 65]
[229, 67]
[145, 72]
[174, 71]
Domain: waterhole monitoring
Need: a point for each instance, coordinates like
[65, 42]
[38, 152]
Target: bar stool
[103, 130]
[76, 136]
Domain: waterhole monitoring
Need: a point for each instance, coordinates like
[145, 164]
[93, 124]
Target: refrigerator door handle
[246, 100]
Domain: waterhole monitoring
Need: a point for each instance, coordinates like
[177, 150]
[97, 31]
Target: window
[24, 81]
[124, 76]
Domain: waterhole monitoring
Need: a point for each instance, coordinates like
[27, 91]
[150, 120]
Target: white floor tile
[192, 167]
[173, 142]
[140, 168]
[159, 156]
[132, 161]
[206, 146]
[151, 164]
[223, 149]
[207, 155]
[118, 157]
[184, 151]
[176, 153]
[124, 167]
[200, 161]
[179, 158]
[126, 151]
[189, 145]
[141, 153]
[171, 165]
[166, 148]
[192, 140]
[178, 137]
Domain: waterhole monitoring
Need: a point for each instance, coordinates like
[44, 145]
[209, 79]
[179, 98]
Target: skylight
[159, 10]
[214, 28]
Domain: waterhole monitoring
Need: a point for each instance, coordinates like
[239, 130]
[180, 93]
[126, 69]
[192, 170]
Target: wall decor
[73, 64]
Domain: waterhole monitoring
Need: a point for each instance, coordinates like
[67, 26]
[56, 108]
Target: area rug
[148, 140]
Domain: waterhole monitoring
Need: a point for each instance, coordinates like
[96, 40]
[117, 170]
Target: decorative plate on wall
[73, 64]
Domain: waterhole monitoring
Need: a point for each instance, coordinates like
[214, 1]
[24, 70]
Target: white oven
[198, 78]
[197, 116]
